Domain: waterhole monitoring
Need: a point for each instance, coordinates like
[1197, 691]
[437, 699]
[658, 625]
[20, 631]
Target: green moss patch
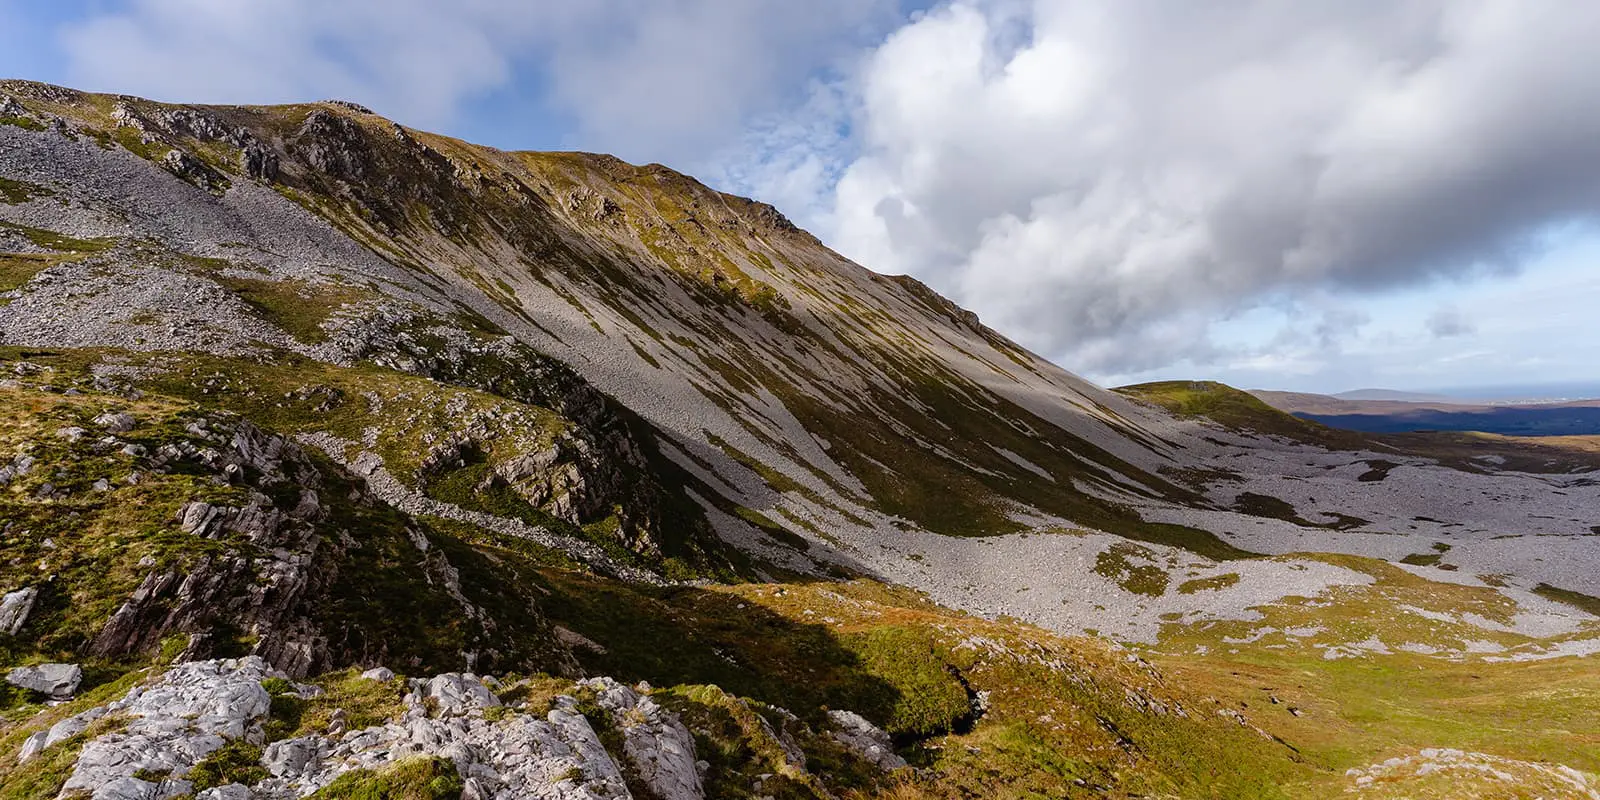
[299, 307]
[410, 779]
[14, 191]
[1125, 563]
[17, 269]
[237, 761]
[1211, 584]
[1586, 602]
[60, 242]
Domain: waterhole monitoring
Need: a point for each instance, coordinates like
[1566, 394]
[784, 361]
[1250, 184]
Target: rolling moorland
[344, 460]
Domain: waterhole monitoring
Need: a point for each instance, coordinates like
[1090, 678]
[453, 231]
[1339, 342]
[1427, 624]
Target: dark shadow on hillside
[688, 635]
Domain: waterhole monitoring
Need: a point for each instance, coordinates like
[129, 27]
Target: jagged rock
[59, 681]
[192, 170]
[793, 753]
[173, 724]
[379, 674]
[197, 125]
[200, 519]
[258, 162]
[351, 106]
[291, 757]
[126, 116]
[333, 145]
[865, 739]
[457, 694]
[15, 608]
[657, 745]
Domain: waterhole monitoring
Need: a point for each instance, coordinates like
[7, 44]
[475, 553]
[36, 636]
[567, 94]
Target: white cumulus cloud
[1105, 180]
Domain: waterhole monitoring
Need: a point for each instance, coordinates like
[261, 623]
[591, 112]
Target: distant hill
[1397, 396]
[1388, 415]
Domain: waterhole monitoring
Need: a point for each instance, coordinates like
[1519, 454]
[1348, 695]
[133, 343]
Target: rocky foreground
[204, 729]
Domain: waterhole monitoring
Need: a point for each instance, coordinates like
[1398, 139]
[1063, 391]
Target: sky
[1313, 196]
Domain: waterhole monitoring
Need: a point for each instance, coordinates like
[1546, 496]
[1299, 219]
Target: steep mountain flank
[720, 368]
[296, 393]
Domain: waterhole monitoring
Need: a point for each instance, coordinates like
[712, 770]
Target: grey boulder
[866, 739]
[15, 608]
[59, 681]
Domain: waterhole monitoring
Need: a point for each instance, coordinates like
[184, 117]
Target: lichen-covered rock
[194, 709]
[519, 757]
[457, 695]
[59, 681]
[31, 747]
[116, 422]
[72, 726]
[658, 747]
[232, 791]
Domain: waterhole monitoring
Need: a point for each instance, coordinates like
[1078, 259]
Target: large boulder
[59, 681]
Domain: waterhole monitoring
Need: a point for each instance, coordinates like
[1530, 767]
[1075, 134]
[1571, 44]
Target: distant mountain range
[1384, 411]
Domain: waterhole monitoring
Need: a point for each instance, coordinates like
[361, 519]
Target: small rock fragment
[378, 674]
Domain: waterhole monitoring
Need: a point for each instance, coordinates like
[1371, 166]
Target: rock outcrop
[156, 736]
[658, 747]
[172, 725]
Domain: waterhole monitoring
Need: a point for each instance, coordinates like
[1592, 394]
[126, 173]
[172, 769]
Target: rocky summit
[344, 460]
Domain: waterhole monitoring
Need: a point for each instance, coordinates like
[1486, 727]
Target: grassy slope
[1239, 410]
[1065, 717]
[1362, 709]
